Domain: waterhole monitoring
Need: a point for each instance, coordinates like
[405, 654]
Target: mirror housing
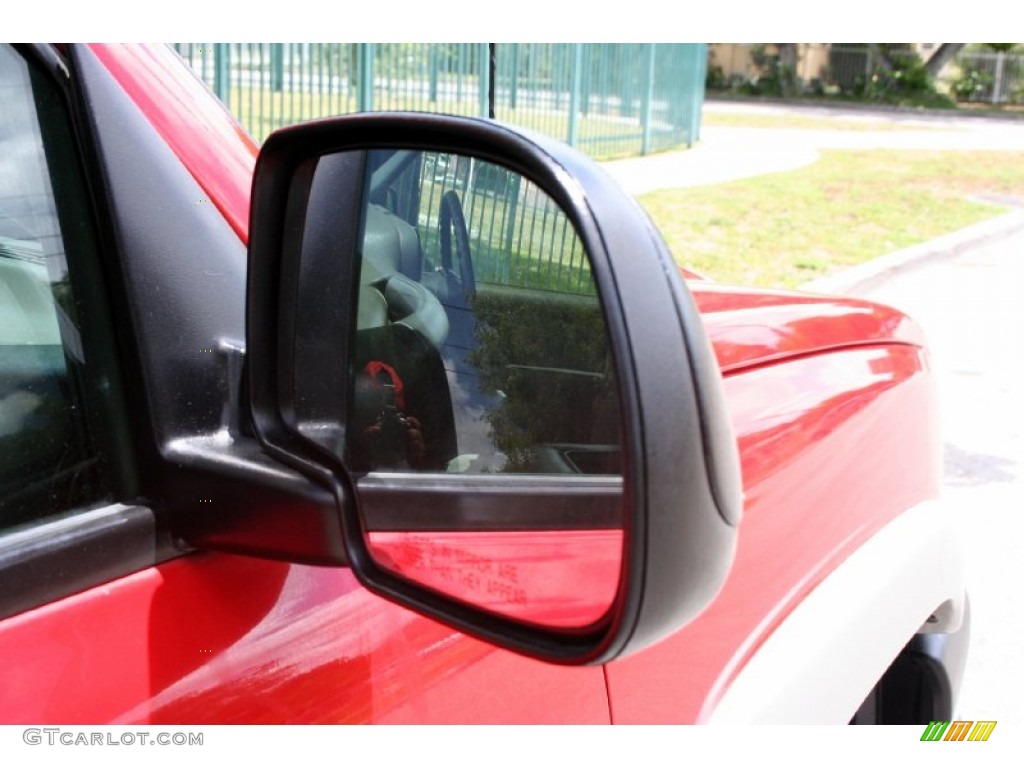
[680, 493]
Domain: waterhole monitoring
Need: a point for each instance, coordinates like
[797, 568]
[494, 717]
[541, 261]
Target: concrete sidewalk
[728, 153]
[721, 155]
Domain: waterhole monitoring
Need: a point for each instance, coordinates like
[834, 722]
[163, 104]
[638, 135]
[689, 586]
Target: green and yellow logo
[958, 730]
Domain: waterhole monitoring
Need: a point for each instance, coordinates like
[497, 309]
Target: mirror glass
[482, 412]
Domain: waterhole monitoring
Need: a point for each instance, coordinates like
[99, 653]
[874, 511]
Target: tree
[942, 56]
[788, 58]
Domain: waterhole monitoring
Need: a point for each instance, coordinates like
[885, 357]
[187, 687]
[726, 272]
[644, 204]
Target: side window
[481, 344]
[48, 460]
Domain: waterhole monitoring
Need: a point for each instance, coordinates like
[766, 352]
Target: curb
[872, 273]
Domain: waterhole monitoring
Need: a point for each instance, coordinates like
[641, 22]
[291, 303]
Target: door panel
[225, 639]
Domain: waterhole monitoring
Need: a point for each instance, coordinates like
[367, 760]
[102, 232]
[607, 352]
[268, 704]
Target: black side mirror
[479, 345]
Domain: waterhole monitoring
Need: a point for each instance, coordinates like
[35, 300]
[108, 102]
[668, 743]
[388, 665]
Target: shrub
[972, 84]
[901, 78]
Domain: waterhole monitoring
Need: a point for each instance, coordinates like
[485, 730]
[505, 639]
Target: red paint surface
[216, 638]
[223, 639]
[554, 578]
[833, 447]
[749, 327]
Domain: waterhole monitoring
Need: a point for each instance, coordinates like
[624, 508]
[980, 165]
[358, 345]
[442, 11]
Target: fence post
[997, 89]
[510, 226]
[626, 81]
[433, 57]
[513, 86]
[483, 52]
[648, 102]
[576, 75]
[604, 57]
[322, 62]
[531, 74]
[364, 90]
[222, 72]
[587, 84]
[557, 50]
[276, 66]
[460, 65]
[695, 101]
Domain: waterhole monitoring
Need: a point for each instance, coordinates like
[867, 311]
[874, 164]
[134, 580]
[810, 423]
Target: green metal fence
[608, 99]
[518, 235]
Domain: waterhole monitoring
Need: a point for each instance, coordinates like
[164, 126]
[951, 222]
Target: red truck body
[832, 403]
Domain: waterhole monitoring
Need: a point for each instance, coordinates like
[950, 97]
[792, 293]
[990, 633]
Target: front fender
[822, 661]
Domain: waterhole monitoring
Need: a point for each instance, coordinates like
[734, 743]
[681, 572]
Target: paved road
[972, 308]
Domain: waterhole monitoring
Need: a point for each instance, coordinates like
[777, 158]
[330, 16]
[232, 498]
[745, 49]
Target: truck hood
[749, 327]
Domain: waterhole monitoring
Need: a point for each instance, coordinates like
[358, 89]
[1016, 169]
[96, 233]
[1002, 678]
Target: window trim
[43, 562]
[48, 558]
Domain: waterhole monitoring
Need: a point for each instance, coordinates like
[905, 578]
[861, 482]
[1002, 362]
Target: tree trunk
[879, 58]
[942, 56]
[787, 67]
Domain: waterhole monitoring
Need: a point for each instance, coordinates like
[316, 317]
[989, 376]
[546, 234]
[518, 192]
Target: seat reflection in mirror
[482, 346]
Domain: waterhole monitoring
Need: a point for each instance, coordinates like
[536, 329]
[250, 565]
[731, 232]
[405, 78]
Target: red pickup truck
[411, 418]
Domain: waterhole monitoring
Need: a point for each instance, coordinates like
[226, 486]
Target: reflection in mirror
[483, 423]
[481, 345]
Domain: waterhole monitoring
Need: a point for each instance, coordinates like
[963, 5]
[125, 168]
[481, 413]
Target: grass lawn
[784, 229]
